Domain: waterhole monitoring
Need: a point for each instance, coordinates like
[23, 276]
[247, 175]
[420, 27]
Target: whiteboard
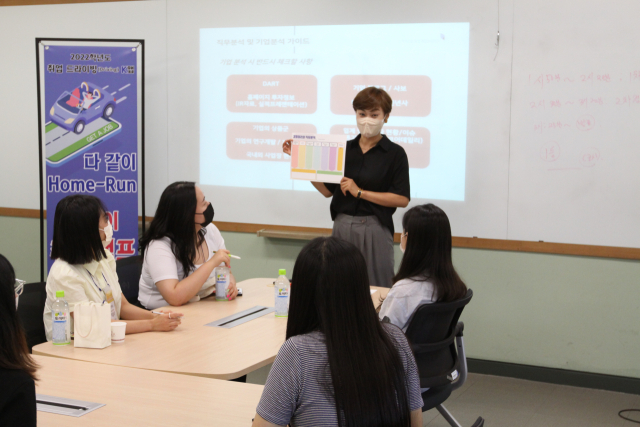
[527, 178]
[483, 212]
[574, 172]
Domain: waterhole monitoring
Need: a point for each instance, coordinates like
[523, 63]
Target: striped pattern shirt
[295, 392]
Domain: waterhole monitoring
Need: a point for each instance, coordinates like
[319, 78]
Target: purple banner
[90, 133]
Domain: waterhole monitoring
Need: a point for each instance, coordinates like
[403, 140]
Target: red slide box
[262, 141]
[416, 141]
[411, 95]
[288, 94]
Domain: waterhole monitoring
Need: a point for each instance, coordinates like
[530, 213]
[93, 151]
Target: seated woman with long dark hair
[426, 273]
[178, 250]
[86, 271]
[17, 369]
[340, 365]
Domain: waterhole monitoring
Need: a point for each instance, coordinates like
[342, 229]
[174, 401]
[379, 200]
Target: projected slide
[258, 86]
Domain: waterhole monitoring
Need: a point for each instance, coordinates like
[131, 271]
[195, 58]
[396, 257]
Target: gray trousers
[374, 241]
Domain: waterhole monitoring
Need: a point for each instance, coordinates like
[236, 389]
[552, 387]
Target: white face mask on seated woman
[108, 232]
[369, 127]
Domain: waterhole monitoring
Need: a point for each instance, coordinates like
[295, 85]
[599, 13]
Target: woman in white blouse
[178, 249]
[86, 271]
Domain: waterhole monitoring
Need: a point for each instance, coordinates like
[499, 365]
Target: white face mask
[403, 239]
[17, 298]
[108, 232]
[369, 127]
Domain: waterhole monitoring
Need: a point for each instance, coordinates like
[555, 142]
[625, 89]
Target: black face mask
[208, 215]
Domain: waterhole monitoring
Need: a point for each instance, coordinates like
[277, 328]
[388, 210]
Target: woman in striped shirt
[339, 366]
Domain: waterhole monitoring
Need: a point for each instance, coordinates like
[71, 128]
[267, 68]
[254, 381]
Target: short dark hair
[14, 353]
[76, 230]
[371, 98]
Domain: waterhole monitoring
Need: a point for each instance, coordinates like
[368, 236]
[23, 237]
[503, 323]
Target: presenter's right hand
[286, 147]
[162, 323]
[221, 256]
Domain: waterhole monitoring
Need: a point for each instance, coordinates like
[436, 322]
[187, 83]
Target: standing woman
[178, 250]
[17, 369]
[375, 184]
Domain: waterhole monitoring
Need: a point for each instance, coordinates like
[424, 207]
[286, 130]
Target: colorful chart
[318, 157]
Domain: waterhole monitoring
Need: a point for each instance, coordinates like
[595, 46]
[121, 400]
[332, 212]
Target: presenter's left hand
[347, 185]
[232, 290]
[286, 146]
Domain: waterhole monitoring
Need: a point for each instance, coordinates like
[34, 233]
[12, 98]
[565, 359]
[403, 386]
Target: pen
[159, 312]
[231, 256]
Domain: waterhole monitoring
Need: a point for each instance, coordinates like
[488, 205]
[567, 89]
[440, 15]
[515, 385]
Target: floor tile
[512, 402]
[466, 415]
[598, 406]
[508, 394]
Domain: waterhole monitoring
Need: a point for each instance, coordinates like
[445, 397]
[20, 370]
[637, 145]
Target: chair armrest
[459, 329]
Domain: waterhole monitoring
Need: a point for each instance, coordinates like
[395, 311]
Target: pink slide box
[419, 153]
[411, 95]
[282, 94]
[244, 138]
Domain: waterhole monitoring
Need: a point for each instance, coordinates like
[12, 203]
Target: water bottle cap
[282, 272]
[59, 294]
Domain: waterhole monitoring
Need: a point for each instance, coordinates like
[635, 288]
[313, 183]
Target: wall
[554, 311]
[18, 111]
[19, 242]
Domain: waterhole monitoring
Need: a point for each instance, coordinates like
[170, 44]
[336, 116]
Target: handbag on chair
[92, 325]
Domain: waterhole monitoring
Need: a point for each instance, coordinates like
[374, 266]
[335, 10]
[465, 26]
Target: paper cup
[117, 331]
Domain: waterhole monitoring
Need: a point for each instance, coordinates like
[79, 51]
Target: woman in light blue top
[426, 273]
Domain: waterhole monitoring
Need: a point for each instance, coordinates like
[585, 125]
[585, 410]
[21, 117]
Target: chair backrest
[129, 270]
[31, 310]
[431, 333]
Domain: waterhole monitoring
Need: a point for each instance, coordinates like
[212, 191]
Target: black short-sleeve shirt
[383, 169]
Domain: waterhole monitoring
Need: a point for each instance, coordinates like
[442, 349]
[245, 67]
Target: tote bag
[92, 325]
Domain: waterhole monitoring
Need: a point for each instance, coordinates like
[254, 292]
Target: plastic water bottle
[60, 314]
[282, 290]
[222, 283]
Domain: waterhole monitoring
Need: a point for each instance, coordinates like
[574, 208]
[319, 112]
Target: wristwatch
[359, 193]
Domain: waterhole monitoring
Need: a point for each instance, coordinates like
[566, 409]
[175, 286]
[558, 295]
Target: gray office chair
[436, 340]
[129, 270]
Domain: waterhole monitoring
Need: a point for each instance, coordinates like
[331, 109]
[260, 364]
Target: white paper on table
[319, 158]
[373, 291]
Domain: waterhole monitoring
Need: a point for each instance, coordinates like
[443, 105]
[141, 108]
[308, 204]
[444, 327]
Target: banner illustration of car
[80, 119]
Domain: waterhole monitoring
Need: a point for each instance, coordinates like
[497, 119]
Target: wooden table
[136, 397]
[196, 349]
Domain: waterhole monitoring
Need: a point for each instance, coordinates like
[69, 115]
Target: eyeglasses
[18, 287]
